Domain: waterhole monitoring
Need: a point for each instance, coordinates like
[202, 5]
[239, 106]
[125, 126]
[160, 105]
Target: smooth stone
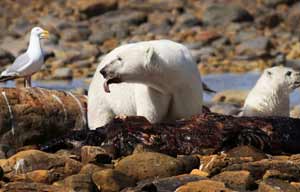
[237, 180]
[222, 14]
[63, 73]
[80, 183]
[168, 184]
[203, 186]
[110, 180]
[275, 185]
[149, 165]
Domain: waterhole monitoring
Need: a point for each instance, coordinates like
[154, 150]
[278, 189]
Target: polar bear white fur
[270, 95]
[155, 79]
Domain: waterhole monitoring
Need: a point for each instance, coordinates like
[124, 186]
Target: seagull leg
[27, 81]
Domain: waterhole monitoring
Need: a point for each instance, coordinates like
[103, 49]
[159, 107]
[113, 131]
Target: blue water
[218, 82]
[221, 82]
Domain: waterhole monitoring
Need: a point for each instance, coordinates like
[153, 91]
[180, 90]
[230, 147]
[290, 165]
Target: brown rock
[110, 180]
[296, 185]
[80, 183]
[293, 20]
[166, 5]
[246, 151]
[90, 169]
[258, 168]
[199, 173]
[275, 174]
[93, 7]
[164, 184]
[189, 162]
[149, 165]
[32, 187]
[37, 176]
[203, 186]
[276, 185]
[214, 164]
[31, 160]
[237, 180]
[93, 153]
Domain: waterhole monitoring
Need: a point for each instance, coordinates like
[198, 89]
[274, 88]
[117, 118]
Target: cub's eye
[289, 73]
[269, 73]
[119, 58]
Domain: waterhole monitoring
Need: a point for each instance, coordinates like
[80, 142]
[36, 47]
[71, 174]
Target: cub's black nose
[103, 73]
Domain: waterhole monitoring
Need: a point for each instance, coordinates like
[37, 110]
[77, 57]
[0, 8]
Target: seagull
[29, 62]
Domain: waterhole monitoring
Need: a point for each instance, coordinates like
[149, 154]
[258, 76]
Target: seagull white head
[40, 33]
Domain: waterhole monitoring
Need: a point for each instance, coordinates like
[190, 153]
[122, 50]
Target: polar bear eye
[289, 73]
[269, 73]
[119, 58]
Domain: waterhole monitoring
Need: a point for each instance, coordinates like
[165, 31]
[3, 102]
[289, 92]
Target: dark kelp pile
[210, 131]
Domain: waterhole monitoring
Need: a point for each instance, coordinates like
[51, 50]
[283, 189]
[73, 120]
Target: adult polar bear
[155, 79]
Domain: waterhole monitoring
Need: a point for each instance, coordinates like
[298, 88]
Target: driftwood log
[202, 133]
[35, 115]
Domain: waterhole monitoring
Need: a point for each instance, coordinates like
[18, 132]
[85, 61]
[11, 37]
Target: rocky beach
[225, 37]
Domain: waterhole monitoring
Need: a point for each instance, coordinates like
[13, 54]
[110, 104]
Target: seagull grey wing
[19, 63]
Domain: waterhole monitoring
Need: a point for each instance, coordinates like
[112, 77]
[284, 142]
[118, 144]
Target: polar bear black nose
[103, 73]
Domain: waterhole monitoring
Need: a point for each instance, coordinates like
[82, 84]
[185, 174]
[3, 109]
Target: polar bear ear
[149, 56]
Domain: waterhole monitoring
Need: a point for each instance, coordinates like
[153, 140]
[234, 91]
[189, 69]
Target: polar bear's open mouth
[110, 81]
[296, 85]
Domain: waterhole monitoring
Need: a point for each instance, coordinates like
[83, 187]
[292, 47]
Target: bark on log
[33, 115]
[195, 136]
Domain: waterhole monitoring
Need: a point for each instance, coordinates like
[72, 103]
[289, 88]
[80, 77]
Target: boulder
[149, 165]
[222, 14]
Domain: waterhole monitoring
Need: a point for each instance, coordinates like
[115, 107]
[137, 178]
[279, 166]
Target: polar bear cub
[155, 79]
[270, 95]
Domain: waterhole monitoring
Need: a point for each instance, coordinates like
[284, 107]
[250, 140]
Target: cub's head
[127, 64]
[282, 78]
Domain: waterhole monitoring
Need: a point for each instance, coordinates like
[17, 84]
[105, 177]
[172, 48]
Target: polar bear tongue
[106, 86]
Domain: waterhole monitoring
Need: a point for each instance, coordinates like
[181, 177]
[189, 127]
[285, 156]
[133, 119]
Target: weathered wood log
[33, 115]
[213, 132]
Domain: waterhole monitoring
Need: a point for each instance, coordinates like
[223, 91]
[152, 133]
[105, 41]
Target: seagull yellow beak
[44, 35]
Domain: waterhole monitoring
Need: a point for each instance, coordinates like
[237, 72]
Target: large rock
[293, 20]
[94, 154]
[32, 187]
[31, 160]
[63, 73]
[36, 176]
[167, 184]
[259, 168]
[110, 180]
[257, 46]
[203, 186]
[150, 5]
[5, 58]
[237, 180]
[80, 183]
[276, 185]
[149, 165]
[222, 14]
[246, 151]
[273, 3]
[93, 7]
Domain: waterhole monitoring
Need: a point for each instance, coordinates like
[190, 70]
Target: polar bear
[156, 79]
[270, 95]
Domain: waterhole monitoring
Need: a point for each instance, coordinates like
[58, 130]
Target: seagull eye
[289, 73]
